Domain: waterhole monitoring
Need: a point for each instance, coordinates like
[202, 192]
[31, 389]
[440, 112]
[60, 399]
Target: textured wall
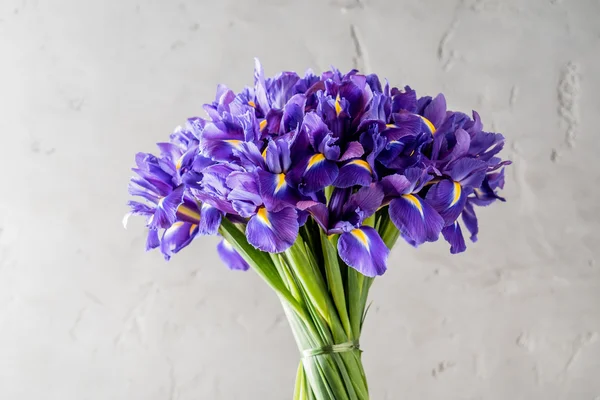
[86, 314]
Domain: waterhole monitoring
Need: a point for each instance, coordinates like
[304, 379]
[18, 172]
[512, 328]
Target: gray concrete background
[86, 314]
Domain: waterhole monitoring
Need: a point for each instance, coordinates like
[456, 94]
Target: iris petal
[319, 173]
[178, 236]
[210, 221]
[273, 232]
[416, 220]
[454, 236]
[364, 250]
[356, 172]
[232, 259]
[448, 198]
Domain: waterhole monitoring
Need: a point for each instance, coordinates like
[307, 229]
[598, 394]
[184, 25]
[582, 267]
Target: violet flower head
[341, 152]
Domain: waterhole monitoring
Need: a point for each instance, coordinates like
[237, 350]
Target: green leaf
[335, 282]
[355, 286]
[261, 262]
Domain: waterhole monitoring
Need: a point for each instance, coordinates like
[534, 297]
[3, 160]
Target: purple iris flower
[337, 148]
[417, 221]
[268, 230]
[360, 246]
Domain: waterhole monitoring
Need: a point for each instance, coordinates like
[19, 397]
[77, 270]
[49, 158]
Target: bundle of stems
[325, 302]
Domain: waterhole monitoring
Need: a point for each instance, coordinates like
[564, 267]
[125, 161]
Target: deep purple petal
[353, 150]
[152, 241]
[315, 129]
[404, 124]
[294, 113]
[273, 232]
[364, 250]
[448, 198]
[244, 195]
[319, 173]
[470, 220]
[230, 257]
[175, 238]
[276, 191]
[470, 172]
[365, 201]
[281, 88]
[395, 185]
[454, 236]
[436, 110]
[166, 210]
[354, 173]
[210, 220]
[318, 210]
[405, 99]
[416, 220]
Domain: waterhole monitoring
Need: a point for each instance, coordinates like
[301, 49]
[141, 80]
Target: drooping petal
[319, 172]
[448, 198]
[354, 173]
[175, 238]
[470, 172]
[364, 250]
[230, 257]
[470, 220]
[276, 191]
[152, 241]
[166, 210]
[416, 220]
[454, 236]
[273, 232]
[210, 220]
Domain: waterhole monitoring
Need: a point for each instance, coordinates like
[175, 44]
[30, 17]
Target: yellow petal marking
[361, 236]
[457, 191]
[176, 224]
[263, 217]
[178, 163]
[362, 164]
[280, 182]
[414, 201]
[317, 158]
[252, 104]
[262, 124]
[390, 126]
[234, 142]
[264, 153]
[188, 212]
[428, 123]
[192, 229]
[338, 105]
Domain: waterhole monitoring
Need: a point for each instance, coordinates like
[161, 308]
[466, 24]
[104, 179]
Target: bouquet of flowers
[310, 181]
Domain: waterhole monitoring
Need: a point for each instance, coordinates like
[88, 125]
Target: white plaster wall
[86, 314]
